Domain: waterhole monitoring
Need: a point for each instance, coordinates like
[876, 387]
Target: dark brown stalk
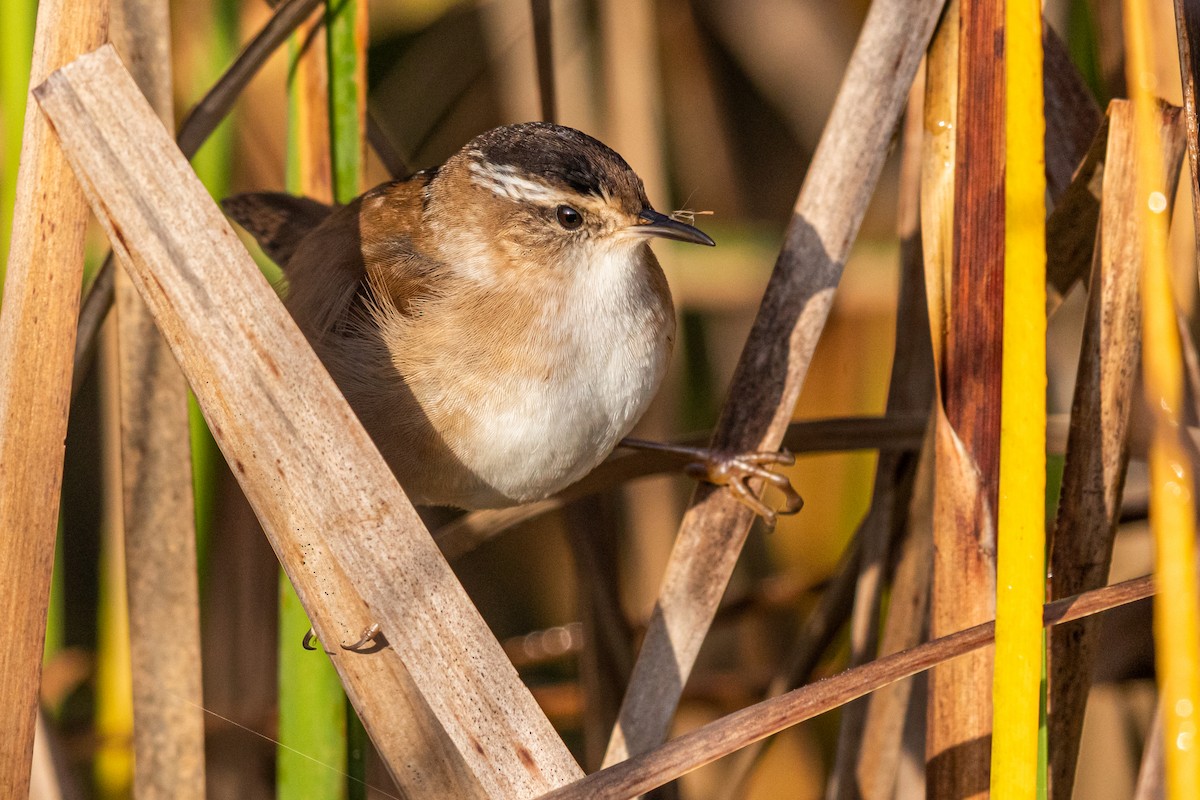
[704, 745]
[1071, 226]
[543, 47]
[776, 358]
[1098, 438]
[1075, 136]
[968, 430]
[1072, 115]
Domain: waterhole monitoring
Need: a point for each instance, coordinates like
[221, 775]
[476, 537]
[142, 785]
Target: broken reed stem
[732, 732]
[37, 333]
[1021, 532]
[1172, 507]
[156, 490]
[777, 355]
[445, 707]
[1098, 439]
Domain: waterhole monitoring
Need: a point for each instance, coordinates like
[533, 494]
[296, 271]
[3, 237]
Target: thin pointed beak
[652, 223]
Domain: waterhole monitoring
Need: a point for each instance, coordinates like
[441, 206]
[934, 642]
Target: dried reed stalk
[159, 512]
[865, 770]
[37, 335]
[442, 703]
[969, 259]
[1098, 439]
[910, 391]
[729, 733]
[776, 357]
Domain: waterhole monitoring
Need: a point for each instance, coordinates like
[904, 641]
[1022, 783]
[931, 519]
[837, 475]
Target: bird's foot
[369, 635]
[734, 471]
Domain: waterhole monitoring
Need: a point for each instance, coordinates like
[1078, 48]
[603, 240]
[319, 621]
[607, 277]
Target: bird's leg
[733, 470]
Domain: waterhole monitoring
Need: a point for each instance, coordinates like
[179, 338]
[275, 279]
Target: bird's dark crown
[561, 158]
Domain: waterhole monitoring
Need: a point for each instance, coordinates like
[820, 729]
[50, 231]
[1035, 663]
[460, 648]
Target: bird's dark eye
[568, 217]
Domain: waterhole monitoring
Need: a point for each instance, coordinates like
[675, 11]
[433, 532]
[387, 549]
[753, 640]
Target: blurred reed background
[719, 107]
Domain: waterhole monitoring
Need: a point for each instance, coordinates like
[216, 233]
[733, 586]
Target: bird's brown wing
[277, 221]
[334, 256]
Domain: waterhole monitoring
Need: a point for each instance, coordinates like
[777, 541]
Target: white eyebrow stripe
[503, 180]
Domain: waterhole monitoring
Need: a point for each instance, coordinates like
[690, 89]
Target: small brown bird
[498, 323]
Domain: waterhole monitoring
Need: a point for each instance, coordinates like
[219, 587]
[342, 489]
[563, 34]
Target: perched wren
[498, 323]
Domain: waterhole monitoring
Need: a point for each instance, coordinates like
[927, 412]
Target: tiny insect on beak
[652, 223]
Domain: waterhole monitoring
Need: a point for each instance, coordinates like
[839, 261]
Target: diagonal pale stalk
[1150, 779]
[311, 756]
[156, 490]
[1172, 507]
[732, 732]
[1021, 532]
[443, 704]
[777, 355]
[1098, 438]
[37, 335]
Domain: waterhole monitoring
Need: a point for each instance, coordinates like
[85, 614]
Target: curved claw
[368, 636]
[309, 638]
[743, 495]
[733, 471]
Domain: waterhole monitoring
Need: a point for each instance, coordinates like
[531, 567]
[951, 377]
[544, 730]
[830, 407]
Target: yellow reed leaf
[1020, 585]
[1172, 512]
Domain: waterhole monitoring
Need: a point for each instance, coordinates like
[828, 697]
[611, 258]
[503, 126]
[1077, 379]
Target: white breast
[605, 343]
